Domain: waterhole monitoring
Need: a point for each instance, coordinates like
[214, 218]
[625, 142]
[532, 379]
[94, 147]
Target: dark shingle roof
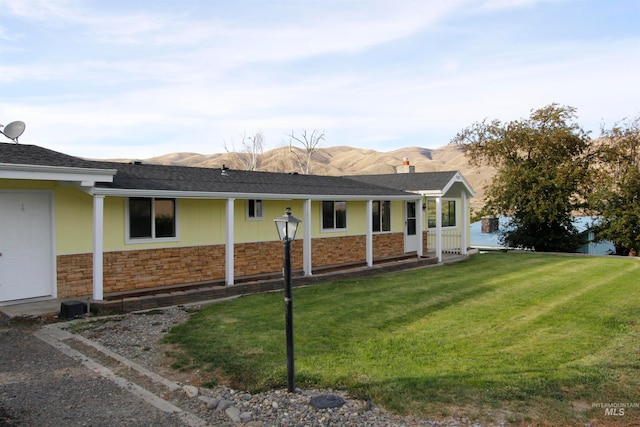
[421, 181]
[21, 154]
[192, 179]
[182, 178]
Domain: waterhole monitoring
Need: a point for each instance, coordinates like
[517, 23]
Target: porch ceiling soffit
[84, 177]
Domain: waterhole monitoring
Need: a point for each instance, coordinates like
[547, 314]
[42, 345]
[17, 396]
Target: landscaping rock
[223, 405]
[233, 413]
[245, 417]
[190, 390]
[325, 401]
[211, 402]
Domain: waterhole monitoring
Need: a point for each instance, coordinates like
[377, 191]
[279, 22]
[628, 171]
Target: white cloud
[371, 73]
[509, 4]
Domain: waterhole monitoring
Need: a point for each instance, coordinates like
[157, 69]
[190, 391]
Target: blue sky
[141, 78]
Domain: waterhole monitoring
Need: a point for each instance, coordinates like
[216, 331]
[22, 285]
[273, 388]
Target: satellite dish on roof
[13, 130]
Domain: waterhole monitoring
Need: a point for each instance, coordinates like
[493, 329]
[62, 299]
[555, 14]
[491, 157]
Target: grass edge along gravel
[537, 337]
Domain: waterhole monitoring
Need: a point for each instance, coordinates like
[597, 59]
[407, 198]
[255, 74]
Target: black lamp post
[287, 225]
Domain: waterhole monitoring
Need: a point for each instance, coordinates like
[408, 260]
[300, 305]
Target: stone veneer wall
[75, 275]
[338, 250]
[387, 245]
[139, 269]
[425, 246]
[264, 257]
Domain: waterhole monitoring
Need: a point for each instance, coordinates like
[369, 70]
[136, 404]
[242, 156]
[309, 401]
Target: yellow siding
[114, 234]
[264, 230]
[459, 215]
[356, 223]
[201, 222]
[397, 216]
[74, 221]
[356, 218]
[23, 184]
[73, 211]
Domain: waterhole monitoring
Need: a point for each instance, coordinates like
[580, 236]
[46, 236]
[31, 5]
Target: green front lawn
[536, 338]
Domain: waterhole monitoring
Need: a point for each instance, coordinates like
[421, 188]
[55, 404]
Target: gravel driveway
[112, 372]
[40, 386]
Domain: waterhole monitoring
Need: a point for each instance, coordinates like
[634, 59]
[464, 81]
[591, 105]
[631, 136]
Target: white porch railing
[451, 242]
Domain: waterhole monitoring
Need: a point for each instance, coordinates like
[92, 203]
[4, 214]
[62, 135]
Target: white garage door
[26, 246]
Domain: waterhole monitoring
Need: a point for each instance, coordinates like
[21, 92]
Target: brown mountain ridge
[343, 160]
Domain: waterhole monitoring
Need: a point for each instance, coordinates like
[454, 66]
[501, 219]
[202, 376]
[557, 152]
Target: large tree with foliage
[617, 194]
[542, 174]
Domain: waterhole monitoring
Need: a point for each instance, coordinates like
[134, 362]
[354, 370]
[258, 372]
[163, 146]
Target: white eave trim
[442, 192]
[56, 173]
[222, 195]
[458, 177]
[431, 193]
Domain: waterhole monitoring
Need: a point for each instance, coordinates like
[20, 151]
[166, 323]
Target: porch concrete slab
[32, 308]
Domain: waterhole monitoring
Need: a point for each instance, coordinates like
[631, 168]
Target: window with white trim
[448, 213]
[334, 215]
[151, 218]
[254, 209]
[381, 212]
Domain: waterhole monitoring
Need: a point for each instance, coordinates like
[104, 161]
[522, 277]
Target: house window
[151, 218]
[448, 213]
[334, 215]
[254, 209]
[381, 215]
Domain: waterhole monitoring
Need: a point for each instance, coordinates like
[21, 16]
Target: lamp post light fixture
[287, 225]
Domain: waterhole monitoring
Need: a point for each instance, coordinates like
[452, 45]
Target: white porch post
[229, 244]
[439, 228]
[306, 238]
[420, 223]
[98, 243]
[464, 233]
[369, 234]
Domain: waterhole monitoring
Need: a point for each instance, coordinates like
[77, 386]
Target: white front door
[410, 227]
[26, 245]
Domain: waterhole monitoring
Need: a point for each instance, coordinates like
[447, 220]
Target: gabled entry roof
[425, 183]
